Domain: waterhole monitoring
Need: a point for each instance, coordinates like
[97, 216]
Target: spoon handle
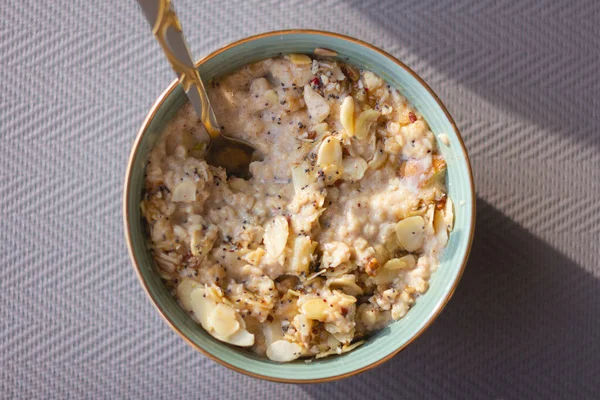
[167, 30]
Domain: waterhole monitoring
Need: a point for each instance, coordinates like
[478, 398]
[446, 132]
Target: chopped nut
[441, 202]
[372, 266]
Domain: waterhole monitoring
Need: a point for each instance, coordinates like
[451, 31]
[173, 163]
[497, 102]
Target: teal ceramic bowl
[389, 341]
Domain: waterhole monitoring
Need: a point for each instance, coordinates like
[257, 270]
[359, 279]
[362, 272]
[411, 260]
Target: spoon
[232, 154]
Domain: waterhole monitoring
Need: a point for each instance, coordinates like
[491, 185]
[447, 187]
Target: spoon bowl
[234, 155]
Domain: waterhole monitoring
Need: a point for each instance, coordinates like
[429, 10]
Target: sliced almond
[347, 115]
[327, 353]
[344, 299]
[449, 214]
[302, 176]
[345, 282]
[331, 173]
[300, 59]
[276, 235]
[315, 309]
[301, 254]
[197, 243]
[241, 338]
[270, 98]
[184, 290]
[379, 156]
[353, 168]
[385, 276]
[202, 306]
[224, 320]
[284, 351]
[352, 72]
[319, 129]
[352, 346]
[318, 107]
[342, 269]
[259, 86]
[332, 342]
[325, 52]
[362, 125]
[443, 137]
[428, 217]
[403, 263]
[272, 331]
[184, 192]
[345, 337]
[338, 74]
[410, 233]
[303, 325]
[440, 228]
[330, 152]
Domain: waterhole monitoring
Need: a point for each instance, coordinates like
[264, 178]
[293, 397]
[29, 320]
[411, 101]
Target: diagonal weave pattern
[520, 78]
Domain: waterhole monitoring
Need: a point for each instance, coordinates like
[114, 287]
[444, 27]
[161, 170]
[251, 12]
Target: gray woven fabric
[523, 83]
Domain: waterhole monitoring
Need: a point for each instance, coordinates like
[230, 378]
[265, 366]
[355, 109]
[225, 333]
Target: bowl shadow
[544, 72]
[523, 313]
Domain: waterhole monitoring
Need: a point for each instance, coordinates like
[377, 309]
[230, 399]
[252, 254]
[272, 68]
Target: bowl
[387, 342]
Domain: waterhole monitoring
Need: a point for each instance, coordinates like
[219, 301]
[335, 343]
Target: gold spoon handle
[167, 30]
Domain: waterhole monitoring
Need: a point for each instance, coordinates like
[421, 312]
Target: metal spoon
[232, 154]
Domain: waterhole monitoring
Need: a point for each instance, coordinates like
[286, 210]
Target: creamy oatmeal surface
[336, 234]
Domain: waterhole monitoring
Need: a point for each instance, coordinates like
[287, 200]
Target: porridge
[337, 232]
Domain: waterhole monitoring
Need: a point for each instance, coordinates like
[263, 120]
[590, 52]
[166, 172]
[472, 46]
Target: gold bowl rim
[135, 149]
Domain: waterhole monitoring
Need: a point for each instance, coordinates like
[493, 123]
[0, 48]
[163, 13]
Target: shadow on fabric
[523, 323]
[544, 72]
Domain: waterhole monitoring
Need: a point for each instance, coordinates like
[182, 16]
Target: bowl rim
[128, 237]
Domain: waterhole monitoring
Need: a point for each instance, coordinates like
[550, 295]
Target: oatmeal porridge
[337, 232]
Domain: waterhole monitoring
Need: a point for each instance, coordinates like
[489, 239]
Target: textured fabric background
[522, 80]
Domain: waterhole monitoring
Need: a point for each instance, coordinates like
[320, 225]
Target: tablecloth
[522, 80]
